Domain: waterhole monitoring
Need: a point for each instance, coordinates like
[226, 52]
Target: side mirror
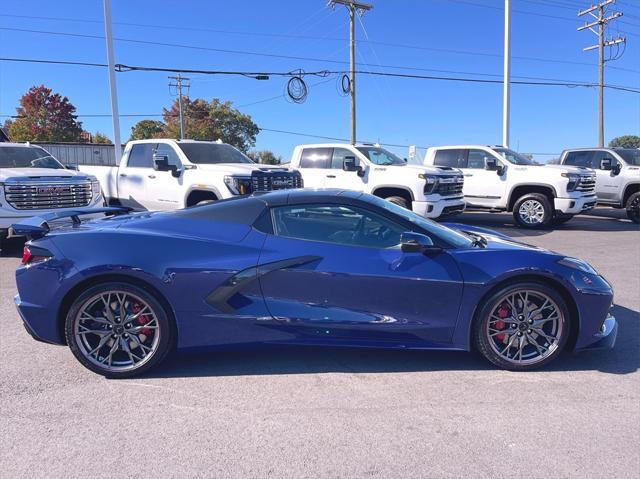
[71, 167]
[606, 164]
[411, 242]
[617, 168]
[349, 164]
[161, 163]
[490, 163]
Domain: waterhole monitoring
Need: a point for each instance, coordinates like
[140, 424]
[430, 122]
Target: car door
[335, 274]
[133, 177]
[315, 165]
[482, 187]
[608, 183]
[336, 177]
[165, 191]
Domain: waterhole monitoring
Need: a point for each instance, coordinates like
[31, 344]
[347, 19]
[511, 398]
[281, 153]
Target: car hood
[238, 168]
[494, 239]
[39, 173]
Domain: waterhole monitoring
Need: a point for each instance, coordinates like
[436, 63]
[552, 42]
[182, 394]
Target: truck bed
[107, 176]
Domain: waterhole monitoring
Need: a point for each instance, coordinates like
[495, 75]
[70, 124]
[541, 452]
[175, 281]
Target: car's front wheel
[633, 207]
[533, 210]
[521, 327]
[118, 330]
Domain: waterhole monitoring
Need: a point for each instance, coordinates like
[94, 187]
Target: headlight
[95, 187]
[238, 185]
[431, 182]
[578, 264]
[574, 179]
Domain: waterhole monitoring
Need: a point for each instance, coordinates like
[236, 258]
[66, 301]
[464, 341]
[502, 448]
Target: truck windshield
[27, 157]
[631, 156]
[380, 156]
[213, 153]
[513, 157]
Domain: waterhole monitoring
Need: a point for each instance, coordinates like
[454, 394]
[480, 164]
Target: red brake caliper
[503, 312]
[143, 319]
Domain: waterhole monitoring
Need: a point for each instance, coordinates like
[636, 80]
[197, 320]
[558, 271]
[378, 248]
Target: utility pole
[599, 13]
[506, 88]
[354, 8]
[115, 116]
[180, 82]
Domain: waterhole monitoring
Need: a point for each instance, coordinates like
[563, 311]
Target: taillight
[33, 254]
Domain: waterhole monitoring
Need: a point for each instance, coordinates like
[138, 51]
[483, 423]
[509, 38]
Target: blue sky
[462, 38]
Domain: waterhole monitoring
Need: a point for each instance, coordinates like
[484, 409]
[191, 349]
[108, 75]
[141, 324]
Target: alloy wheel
[525, 327]
[117, 331]
[531, 212]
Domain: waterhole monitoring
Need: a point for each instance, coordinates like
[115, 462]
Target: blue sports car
[313, 267]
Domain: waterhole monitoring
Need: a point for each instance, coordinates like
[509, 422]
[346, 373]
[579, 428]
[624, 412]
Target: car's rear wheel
[522, 327]
[533, 211]
[118, 330]
[633, 207]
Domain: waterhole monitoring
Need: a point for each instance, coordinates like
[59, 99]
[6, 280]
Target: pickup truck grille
[264, 181]
[587, 184]
[37, 196]
[450, 186]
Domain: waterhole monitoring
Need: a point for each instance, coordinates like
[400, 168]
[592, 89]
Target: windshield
[448, 235]
[630, 156]
[513, 157]
[27, 157]
[213, 153]
[380, 156]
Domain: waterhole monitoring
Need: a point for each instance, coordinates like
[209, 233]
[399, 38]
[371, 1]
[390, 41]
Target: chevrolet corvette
[304, 267]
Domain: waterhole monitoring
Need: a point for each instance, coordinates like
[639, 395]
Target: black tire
[537, 200]
[480, 330]
[398, 200]
[633, 207]
[561, 219]
[161, 348]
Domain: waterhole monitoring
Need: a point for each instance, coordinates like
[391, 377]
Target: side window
[338, 224]
[141, 156]
[476, 159]
[453, 158]
[339, 155]
[316, 158]
[598, 156]
[579, 158]
[167, 150]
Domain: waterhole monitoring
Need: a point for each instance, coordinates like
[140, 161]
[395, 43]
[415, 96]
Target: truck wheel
[561, 219]
[398, 200]
[533, 210]
[633, 207]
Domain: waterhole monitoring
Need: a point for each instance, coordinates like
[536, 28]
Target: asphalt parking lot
[303, 412]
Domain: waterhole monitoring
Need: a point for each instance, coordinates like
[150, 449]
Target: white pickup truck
[164, 174]
[499, 179]
[431, 192]
[617, 175]
[33, 182]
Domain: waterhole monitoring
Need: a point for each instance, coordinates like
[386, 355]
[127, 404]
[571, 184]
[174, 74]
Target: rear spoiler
[38, 226]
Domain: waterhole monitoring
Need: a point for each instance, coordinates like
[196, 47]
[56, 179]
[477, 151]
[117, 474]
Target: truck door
[608, 183]
[164, 190]
[336, 177]
[132, 176]
[482, 187]
[315, 165]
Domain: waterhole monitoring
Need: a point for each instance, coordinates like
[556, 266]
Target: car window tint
[339, 154]
[316, 157]
[141, 156]
[338, 224]
[476, 159]
[578, 158]
[598, 156]
[167, 150]
[453, 158]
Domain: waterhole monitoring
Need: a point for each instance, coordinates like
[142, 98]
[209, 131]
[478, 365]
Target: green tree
[625, 141]
[265, 157]
[146, 129]
[101, 138]
[44, 116]
[213, 120]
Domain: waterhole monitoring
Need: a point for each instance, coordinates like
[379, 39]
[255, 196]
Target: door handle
[151, 176]
[468, 174]
[331, 176]
[123, 175]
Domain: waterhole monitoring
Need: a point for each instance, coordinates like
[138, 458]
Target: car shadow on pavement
[600, 219]
[623, 359]
[12, 248]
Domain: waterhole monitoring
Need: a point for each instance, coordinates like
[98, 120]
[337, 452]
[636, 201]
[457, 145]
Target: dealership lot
[303, 412]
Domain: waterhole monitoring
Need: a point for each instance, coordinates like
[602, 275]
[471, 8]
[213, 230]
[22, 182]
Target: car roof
[307, 195]
[20, 145]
